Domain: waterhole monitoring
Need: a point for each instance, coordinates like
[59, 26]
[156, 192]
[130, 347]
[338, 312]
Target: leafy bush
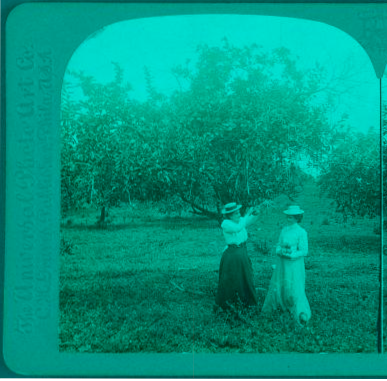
[352, 175]
[66, 247]
[377, 229]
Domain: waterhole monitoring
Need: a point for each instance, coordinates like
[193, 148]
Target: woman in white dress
[287, 285]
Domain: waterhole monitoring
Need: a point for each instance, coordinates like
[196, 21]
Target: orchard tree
[352, 176]
[236, 129]
[94, 133]
[109, 144]
[238, 126]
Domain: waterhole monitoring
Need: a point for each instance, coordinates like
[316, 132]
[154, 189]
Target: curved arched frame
[40, 40]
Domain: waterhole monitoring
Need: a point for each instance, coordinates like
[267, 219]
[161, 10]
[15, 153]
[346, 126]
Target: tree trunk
[92, 191]
[102, 218]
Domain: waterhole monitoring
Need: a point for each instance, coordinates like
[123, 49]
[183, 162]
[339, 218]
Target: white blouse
[295, 237]
[236, 233]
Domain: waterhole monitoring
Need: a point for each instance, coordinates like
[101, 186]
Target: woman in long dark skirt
[236, 281]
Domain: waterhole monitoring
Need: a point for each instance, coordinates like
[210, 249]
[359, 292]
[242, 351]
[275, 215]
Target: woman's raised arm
[251, 216]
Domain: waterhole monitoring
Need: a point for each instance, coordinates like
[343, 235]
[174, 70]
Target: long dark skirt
[236, 283]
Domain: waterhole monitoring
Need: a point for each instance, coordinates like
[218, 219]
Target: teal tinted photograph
[220, 189]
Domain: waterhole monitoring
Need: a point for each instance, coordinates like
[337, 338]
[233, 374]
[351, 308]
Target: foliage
[103, 150]
[352, 176]
[240, 124]
[237, 129]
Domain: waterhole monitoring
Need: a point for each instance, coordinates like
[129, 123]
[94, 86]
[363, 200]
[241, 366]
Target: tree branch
[198, 209]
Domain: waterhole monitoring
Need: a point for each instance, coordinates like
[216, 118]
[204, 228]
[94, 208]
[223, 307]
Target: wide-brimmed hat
[231, 208]
[293, 210]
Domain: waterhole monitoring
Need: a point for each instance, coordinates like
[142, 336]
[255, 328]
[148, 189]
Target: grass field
[147, 283]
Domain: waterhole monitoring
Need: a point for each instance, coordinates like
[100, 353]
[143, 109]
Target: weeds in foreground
[147, 283]
[153, 290]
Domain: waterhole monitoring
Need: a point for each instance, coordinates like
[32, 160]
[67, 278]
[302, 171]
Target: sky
[163, 42]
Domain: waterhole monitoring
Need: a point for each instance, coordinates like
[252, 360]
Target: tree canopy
[237, 128]
[352, 176]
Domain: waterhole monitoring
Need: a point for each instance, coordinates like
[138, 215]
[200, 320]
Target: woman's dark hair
[227, 216]
[298, 217]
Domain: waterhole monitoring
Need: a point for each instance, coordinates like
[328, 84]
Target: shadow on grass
[353, 242]
[170, 223]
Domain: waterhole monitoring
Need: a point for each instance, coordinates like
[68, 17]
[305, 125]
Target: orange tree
[103, 149]
[239, 126]
[237, 129]
[352, 174]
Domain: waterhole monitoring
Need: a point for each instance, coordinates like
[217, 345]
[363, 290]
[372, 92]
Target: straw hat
[293, 210]
[231, 208]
